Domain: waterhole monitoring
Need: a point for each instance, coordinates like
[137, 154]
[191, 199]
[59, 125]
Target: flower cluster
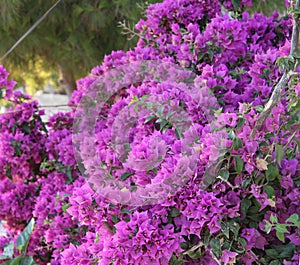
[158, 161]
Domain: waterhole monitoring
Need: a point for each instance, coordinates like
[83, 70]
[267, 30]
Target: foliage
[236, 203]
[267, 7]
[21, 245]
[74, 36]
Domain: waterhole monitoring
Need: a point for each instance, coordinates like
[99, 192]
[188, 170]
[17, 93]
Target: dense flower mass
[158, 161]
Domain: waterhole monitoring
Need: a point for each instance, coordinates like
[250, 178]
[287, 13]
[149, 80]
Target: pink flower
[228, 257]
[254, 238]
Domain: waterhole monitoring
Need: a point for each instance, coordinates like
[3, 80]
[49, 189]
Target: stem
[215, 258]
[295, 34]
[227, 182]
[277, 92]
[291, 138]
[55, 106]
[199, 245]
[128, 31]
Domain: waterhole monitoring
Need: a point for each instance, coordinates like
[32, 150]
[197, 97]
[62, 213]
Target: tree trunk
[67, 80]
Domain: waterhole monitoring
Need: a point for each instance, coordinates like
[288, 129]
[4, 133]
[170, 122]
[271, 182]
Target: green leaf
[253, 225]
[275, 262]
[269, 190]
[114, 218]
[23, 238]
[236, 4]
[231, 135]
[280, 231]
[6, 262]
[196, 254]
[163, 124]
[64, 207]
[15, 261]
[8, 251]
[294, 119]
[285, 251]
[170, 114]
[178, 133]
[160, 111]
[126, 175]
[296, 55]
[243, 242]
[97, 238]
[272, 253]
[294, 218]
[279, 153]
[176, 260]
[242, 246]
[168, 126]
[237, 143]
[17, 147]
[216, 247]
[28, 261]
[210, 54]
[8, 173]
[281, 228]
[245, 205]
[272, 173]
[226, 245]
[184, 245]
[174, 212]
[259, 108]
[280, 236]
[273, 219]
[224, 174]
[149, 118]
[125, 211]
[246, 183]
[136, 107]
[234, 227]
[241, 122]
[225, 229]
[145, 97]
[110, 228]
[268, 227]
[238, 164]
[253, 212]
[25, 127]
[69, 175]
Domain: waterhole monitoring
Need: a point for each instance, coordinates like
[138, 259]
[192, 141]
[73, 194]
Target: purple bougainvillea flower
[254, 238]
[228, 257]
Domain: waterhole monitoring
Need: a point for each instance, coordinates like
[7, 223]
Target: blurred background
[72, 39]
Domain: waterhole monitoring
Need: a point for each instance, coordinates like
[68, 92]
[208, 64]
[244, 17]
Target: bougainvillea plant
[162, 159]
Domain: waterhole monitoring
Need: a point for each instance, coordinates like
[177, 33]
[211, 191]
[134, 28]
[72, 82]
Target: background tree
[74, 37]
[268, 6]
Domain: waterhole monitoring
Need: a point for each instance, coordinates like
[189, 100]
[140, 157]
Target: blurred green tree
[268, 7]
[74, 37]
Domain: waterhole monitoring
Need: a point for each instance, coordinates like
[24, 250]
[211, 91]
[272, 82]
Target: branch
[128, 31]
[55, 106]
[40, 107]
[277, 92]
[273, 101]
[199, 245]
[295, 34]
[29, 30]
